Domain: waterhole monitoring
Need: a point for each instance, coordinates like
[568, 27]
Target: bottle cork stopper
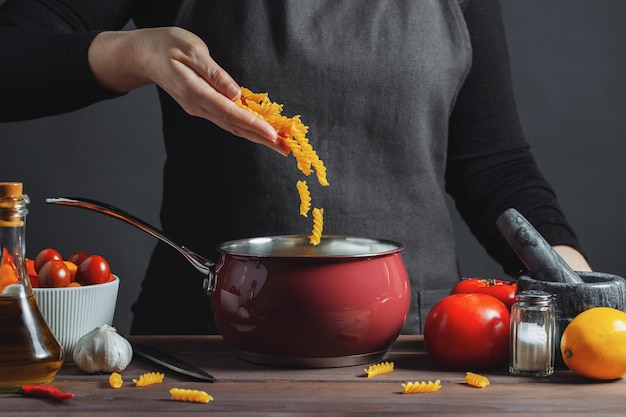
[11, 190]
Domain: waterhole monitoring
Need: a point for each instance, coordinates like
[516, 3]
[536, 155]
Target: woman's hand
[179, 62]
[573, 258]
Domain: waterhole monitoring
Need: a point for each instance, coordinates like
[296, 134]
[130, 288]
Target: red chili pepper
[45, 391]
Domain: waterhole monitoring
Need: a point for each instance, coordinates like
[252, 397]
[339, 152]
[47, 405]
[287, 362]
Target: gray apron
[375, 82]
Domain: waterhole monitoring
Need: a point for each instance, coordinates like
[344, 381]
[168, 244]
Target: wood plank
[249, 389]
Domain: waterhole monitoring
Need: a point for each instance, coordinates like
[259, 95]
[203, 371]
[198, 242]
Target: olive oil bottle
[29, 352]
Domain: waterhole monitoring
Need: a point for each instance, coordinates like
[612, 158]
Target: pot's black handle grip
[533, 250]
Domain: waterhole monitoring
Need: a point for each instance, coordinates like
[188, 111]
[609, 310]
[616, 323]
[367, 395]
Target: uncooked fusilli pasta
[305, 198]
[290, 129]
[476, 380]
[149, 378]
[318, 225]
[115, 380]
[379, 369]
[421, 387]
[190, 395]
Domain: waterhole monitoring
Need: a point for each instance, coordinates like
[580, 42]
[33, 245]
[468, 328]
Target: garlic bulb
[103, 350]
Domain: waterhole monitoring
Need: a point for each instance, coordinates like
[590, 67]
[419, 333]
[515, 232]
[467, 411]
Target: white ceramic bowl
[74, 311]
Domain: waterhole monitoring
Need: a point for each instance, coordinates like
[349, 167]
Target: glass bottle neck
[13, 276]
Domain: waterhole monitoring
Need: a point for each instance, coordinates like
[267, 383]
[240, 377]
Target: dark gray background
[568, 62]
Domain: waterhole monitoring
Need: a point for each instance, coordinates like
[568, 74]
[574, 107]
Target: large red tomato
[469, 331]
[501, 289]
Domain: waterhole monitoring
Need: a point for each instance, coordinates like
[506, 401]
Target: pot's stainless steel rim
[305, 362]
[298, 246]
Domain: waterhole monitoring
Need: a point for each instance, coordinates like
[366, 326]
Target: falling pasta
[294, 133]
[476, 380]
[318, 225]
[190, 395]
[305, 198]
[150, 378]
[290, 129]
[379, 369]
[421, 387]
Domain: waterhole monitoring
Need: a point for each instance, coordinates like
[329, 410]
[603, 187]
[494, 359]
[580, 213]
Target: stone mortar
[570, 299]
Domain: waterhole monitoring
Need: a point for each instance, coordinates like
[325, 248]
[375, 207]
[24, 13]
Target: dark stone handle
[533, 250]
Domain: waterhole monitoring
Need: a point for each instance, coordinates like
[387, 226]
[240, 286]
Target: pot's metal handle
[199, 262]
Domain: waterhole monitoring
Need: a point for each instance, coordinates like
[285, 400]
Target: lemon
[593, 344]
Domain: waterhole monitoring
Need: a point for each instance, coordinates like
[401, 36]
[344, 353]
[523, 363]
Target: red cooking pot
[279, 300]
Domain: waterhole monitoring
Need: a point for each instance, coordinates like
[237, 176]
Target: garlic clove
[102, 350]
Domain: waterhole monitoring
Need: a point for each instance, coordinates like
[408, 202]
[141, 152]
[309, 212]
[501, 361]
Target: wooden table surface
[248, 389]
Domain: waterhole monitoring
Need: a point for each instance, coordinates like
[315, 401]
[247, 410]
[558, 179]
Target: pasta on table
[421, 387]
[190, 395]
[379, 369]
[149, 378]
[476, 380]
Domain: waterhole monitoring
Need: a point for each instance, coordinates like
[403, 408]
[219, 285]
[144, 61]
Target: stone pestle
[533, 250]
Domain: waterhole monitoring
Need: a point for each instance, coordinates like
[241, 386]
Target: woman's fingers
[240, 122]
[200, 98]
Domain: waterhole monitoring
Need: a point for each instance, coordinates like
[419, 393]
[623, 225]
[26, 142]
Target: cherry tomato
[34, 281]
[8, 271]
[8, 275]
[78, 257]
[501, 289]
[93, 270]
[72, 268]
[54, 274]
[45, 256]
[468, 331]
[32, 275]
[30, 267]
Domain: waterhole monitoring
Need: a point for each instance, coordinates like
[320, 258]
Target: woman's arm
[43, 50]
[490, 166]
[61, 55]
[573, 257]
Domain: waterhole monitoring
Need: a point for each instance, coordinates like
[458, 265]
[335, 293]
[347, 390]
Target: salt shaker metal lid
[534, 297]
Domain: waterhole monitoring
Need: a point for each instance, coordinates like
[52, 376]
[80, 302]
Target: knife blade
[170, 362]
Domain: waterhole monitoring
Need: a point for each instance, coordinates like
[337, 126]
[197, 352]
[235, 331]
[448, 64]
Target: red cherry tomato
[72, 267]
[8, 272]
[34, 281]
[45, 256]
[30, 267]
[468, 331]
[93, 270]
[501, 289]
[54, 274]
[78, 257]
[32, 275]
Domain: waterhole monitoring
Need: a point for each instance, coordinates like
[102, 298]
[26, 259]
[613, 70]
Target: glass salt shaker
[532, 334]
